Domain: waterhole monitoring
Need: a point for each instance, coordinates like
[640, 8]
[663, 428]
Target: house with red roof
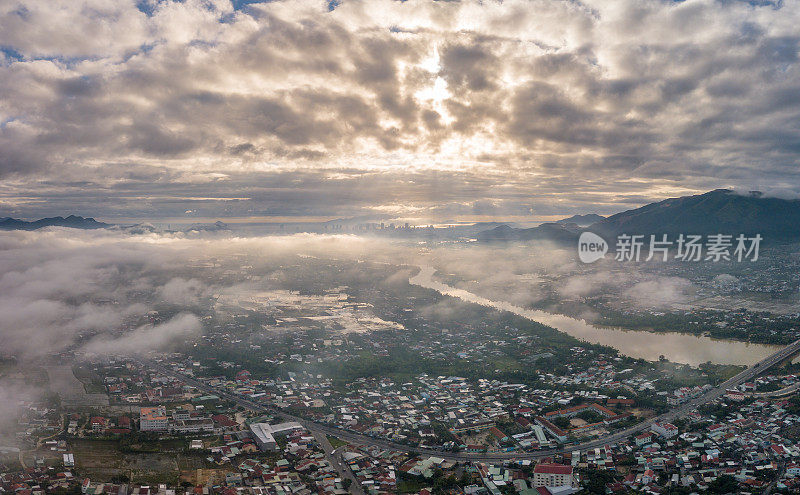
[551, 474]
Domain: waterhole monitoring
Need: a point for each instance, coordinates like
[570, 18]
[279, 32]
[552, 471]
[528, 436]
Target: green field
[336, 442]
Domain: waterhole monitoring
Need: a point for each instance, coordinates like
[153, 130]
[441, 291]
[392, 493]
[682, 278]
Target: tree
[597, 480]
[120, 478]
[562, 422]
[74, 489]
[723, 485]
[590, 416]
[794, 404]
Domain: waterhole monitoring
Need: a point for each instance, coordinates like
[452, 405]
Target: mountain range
[72, 221]
[582, 220]
[721, 211]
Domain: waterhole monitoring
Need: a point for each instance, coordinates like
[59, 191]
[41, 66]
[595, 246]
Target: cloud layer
[104, 291]
[434, 109]
[62, 287]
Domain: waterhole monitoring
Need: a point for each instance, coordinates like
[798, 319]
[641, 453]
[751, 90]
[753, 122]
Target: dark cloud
[471, 67]
[111, 107]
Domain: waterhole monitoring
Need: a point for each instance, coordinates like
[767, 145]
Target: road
[62, 423]
[358, 438]
[776, 393]
[336, 460]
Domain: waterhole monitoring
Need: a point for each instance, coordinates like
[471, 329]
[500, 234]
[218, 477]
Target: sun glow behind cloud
[289, 108]
[436, 94]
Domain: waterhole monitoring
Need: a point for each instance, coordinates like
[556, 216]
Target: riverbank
[677, 347]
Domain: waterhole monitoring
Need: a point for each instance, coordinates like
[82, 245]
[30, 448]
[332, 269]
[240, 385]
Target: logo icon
[591, 247]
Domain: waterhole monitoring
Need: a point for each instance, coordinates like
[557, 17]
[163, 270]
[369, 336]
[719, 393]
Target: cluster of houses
[374, 469]
[409, 412]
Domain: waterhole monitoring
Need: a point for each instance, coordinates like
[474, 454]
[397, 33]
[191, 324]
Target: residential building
[547, 474]
[153, 419]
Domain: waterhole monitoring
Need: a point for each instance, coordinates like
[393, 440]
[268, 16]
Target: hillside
[716, 212]
[71, 221]
[720, 211]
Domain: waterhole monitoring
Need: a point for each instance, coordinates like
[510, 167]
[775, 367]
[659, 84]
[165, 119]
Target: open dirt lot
[103, 460]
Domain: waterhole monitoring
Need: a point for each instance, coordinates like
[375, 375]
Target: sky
[428, 111]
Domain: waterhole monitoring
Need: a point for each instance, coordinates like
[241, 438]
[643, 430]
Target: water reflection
[677, 347]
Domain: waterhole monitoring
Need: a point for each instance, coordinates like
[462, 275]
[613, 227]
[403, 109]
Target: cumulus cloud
[660, 292]
[14, 393]
[725, 281]
[145, 338]
[69, 289]
[591, 283]
[75, 293]
[301, 109]
[58, 287]
[182, 292]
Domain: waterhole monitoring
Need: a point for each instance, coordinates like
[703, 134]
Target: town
[215, 445]
[362, 389]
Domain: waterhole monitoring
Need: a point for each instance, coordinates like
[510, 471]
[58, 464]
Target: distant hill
[720, 211]
[547, 231]
[208, 227]
[564, 230]
[71, 221]
[582, 220]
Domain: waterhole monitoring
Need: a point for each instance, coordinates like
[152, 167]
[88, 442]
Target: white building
[545, 474]
[540, 437]
[181, 414]
[674, 400]
[644, 439]
[264, 433]
[666, 430]
[194, 425]
[153, 419]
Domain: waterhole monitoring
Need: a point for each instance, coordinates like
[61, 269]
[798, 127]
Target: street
[357, 438]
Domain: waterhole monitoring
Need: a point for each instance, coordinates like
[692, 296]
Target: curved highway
[358, 438]
[776, 393]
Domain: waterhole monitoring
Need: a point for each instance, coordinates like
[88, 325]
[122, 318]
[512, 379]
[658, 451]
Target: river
[677, 347]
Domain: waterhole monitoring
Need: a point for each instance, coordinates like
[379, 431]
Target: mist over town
[399, 247]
